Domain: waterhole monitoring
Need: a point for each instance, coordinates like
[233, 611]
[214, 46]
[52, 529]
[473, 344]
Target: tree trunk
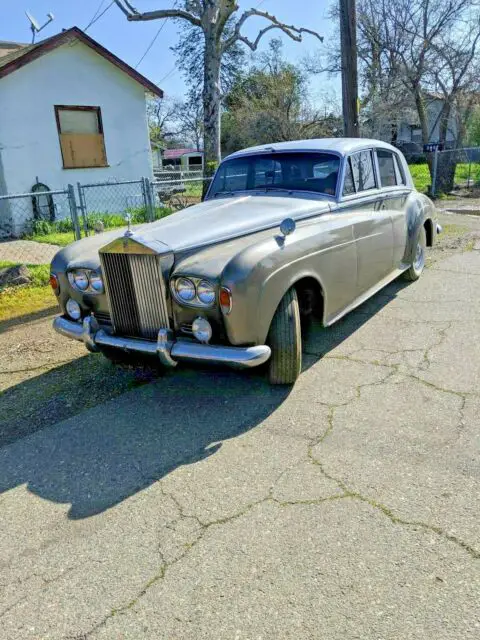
[211, 99]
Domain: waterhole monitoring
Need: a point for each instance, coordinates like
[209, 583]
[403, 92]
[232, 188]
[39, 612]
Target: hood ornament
[128, 232]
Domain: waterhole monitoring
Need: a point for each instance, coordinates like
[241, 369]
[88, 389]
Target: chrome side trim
[166, 349]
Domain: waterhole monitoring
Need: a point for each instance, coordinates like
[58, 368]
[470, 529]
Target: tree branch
[295, 33]
[134, 15]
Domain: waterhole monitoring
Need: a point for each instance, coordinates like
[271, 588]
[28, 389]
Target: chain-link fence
[34, 225]
[456, 171]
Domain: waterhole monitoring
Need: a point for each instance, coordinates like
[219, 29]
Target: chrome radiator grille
[136, 294]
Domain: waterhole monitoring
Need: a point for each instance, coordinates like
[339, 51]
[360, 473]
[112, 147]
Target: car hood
[221, 219]
[203, 224]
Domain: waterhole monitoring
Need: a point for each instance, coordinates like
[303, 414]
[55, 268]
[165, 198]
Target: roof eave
[74, 32]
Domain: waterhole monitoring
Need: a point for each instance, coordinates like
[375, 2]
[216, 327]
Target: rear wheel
[418, 264]
[285, 340]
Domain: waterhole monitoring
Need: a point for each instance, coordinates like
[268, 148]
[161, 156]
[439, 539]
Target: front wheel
[418, 264]
[285, 341]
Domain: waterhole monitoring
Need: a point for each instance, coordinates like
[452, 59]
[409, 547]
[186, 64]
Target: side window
[386, 164]
[231, 177]
[399, 170]
[363, 171]
[348, 184]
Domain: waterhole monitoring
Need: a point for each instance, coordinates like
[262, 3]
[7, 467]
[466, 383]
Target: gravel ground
[27, 251]
[206, 504]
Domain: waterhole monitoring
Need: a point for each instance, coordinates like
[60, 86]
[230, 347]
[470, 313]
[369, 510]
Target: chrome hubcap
[419, 262]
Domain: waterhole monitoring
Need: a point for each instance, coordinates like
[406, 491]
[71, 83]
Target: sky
[129, 41]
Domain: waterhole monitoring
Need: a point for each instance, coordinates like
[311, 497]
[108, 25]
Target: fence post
[73, 211]
[83, 208]
[435, 170]
[147, 196]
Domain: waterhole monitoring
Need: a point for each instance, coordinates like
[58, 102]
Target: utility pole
[348, 38]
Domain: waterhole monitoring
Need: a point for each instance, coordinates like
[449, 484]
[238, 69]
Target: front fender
[259, 276]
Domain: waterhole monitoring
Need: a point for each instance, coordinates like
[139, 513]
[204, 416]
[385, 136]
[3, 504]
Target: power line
[97, 15]
[167, 75]
[151, 43]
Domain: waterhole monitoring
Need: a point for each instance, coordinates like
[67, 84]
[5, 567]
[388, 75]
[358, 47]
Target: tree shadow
[10, 323]
[110, 451]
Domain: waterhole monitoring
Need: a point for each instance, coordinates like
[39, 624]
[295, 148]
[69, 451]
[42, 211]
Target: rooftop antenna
[35, 27]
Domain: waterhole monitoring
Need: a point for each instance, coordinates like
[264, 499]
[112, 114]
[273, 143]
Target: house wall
[72, 74]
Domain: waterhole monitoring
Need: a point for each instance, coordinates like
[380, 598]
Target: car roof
[341, 146]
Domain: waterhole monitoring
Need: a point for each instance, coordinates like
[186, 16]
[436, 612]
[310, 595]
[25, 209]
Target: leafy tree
[271, 102]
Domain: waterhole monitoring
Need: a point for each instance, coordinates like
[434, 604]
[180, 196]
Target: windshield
[317, 172]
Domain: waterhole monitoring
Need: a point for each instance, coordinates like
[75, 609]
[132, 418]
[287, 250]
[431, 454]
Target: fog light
[73, 309]
[202, 329]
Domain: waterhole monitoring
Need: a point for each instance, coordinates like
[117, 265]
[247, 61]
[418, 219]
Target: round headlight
[205, 292]
[78, 279]
[185, 289]
[96, 281]
[73, 309]
[202, 329]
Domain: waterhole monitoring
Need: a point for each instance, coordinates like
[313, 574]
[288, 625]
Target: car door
[373, 229]
[395, 193]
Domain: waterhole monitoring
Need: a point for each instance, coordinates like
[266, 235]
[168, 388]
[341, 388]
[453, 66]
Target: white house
[70, 111]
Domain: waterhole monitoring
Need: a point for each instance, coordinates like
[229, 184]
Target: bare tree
[161, 117]
[212, 17]
[419, 51]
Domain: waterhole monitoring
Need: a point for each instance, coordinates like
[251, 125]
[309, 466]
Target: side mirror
[287, 227]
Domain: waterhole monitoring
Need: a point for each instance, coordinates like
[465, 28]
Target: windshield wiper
[223, 193]
[270, 188]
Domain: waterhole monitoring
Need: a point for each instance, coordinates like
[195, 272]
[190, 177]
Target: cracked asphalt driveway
[208, 505]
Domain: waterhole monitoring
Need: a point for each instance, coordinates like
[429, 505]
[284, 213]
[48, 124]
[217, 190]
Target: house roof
[7, 47]
[172, 154]
[26, 54]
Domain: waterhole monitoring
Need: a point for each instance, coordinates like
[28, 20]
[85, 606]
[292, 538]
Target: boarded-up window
[81, 137]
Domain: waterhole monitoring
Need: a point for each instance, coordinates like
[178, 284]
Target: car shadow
[109, 451]
[318, 341]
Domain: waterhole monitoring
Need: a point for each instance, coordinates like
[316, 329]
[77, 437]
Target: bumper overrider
[168, 350]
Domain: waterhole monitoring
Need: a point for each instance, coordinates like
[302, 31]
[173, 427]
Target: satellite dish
[34, 26]
[33, 22]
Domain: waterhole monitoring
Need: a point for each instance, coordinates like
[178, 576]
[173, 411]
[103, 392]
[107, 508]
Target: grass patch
[30, 298]
[464, 171]
[16, 302]
[421, 176]
[39, 273]
[453, 230]
[59, 238]
[61, 233]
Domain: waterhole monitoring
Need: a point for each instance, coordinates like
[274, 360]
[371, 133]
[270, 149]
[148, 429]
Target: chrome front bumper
[166, 348]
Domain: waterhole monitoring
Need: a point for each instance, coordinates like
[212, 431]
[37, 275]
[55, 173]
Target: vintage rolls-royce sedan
[285, 231]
